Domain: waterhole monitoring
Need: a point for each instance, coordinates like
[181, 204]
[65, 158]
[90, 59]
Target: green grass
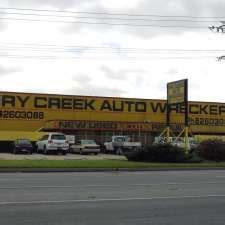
[114, 164]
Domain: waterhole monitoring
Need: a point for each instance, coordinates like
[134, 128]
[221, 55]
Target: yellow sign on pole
[176, 92]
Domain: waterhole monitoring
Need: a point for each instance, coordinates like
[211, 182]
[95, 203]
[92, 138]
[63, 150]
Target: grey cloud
[85, 86]
[161, 87]
[82, 78]
[36, 90]
[40, 4]
[160, 7]
[194, 86]
[59, 4]
[170, 7]
[93, 90]
[113, 74]
[64, 5]
[173, 8]
[139, 80]
[5, 70]
[121, 74]
[2, 26]
[172, 71]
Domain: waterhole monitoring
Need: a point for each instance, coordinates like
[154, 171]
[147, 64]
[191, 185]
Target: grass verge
[114, 164]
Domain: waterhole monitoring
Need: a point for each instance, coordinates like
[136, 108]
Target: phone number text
[10, 114]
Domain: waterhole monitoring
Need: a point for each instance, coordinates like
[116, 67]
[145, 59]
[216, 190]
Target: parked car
[178, 141]
[22, 146]
[85, 147]
[71, 140]
[53, 142]
[120, 144]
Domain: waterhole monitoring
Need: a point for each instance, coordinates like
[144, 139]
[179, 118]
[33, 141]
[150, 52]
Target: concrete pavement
[160, 197]
[34, 156]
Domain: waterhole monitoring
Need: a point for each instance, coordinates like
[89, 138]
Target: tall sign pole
[177, 94]
[186, 114]
[168, 117]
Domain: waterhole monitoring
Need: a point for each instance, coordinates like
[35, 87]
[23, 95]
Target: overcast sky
[48, 50]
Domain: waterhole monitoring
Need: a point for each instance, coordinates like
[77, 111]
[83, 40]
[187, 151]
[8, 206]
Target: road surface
[118, 198]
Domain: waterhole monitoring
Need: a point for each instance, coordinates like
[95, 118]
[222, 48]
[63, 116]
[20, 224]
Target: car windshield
[120, 139]
[23, 141]
[58, 137]
[88, 142]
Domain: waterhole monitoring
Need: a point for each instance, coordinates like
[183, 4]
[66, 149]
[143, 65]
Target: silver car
[85, 147]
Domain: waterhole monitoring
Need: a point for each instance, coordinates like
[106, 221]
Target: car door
[42, 142]
[38, 143]
[77, 146]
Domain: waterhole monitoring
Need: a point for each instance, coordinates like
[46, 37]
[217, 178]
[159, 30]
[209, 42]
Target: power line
[81, 52]
[95, 58]
[104, 23]
[71, 48]
[107, 13]
[110, 18]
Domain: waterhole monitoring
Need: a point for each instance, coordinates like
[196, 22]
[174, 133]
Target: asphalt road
[174, 197]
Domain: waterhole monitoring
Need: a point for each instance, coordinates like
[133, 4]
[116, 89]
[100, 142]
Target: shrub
[135, 155]
[212, 150]
[157, 153]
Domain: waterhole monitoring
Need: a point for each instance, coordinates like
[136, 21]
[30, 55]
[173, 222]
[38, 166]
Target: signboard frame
[176, 86]
[181, 97]
[183, 102]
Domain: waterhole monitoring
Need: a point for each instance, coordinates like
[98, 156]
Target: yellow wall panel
[30, 112]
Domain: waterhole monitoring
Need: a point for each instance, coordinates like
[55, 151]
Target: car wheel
[45, 150]
[119, 151]
[103, 149]
[64, 153]
[81, 152]
[39, 150]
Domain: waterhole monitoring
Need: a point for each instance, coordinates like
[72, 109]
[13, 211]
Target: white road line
[108, 199]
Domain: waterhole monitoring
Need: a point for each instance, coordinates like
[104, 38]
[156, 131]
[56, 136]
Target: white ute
[177, 141]
[119, 144]
[53, 142]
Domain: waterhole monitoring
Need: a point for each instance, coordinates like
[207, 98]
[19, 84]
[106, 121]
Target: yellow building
[101, 117]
